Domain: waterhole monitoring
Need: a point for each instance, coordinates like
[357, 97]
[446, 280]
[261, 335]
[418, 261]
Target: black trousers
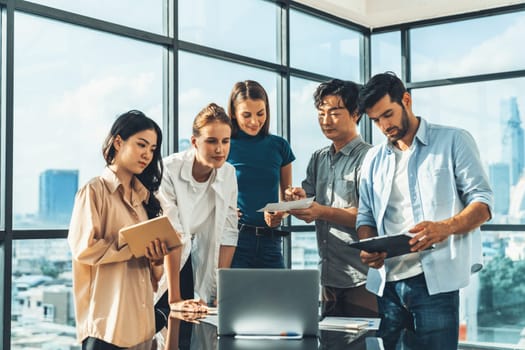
[162, 307]
[91, 343]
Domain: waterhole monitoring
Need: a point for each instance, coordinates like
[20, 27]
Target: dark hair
[210, 114]
[378, 86]
[348, 91]
[248, 90]
[126, 125]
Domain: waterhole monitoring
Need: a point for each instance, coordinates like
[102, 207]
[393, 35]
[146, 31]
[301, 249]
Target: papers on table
[268, 336]
[284, 206]
[349, 323]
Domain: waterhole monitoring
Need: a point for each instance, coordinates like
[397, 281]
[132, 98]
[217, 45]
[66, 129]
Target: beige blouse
[113, 291]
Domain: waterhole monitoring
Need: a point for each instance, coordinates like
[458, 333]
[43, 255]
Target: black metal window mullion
[8, 213]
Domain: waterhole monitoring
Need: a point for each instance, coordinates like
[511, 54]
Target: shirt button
[324, 241]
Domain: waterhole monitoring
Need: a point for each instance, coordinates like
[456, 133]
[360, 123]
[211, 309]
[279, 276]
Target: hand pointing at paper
[306, 214]
[294, 193]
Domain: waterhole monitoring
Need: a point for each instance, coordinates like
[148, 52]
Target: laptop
[268, 302]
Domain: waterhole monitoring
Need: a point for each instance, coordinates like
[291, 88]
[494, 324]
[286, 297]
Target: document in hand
[284, 206]
[393, 245]
[139, 236]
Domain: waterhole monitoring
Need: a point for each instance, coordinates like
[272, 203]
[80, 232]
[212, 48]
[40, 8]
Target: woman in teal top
[263, 164]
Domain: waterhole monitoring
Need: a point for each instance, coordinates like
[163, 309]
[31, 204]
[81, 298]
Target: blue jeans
[413, 319]
[258, 251]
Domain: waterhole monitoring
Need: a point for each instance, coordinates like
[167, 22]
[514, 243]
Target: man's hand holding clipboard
[392, 245]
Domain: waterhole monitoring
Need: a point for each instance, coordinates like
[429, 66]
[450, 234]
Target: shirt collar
[187, 167]
[421, 134]
[347, 149]
[113, 183]
[422, 131]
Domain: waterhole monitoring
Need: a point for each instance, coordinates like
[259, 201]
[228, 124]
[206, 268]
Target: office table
[184, 335]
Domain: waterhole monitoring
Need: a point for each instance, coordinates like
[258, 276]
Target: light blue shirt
[445, 174]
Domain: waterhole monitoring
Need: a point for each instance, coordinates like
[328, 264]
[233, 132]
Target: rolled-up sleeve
[471, 179]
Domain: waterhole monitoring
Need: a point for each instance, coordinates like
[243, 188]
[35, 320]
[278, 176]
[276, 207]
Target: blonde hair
[210, 114]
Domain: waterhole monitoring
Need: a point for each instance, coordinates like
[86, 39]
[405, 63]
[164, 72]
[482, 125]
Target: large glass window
[483, 45]
[491, 111]
[141, 14]
[203, 80]
[306, 137]
[246, 27]
[42, 311]
[492, 304]
[386, 52]
[325, 48]
[70, 84]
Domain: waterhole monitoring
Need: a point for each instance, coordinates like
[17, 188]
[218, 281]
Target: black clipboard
[393, 245]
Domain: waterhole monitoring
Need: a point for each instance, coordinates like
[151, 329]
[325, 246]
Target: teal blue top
[258, 161]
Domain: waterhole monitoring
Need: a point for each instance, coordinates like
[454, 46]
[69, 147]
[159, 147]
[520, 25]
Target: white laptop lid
[268, 302]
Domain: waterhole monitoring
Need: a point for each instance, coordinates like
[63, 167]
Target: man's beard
[401, 131]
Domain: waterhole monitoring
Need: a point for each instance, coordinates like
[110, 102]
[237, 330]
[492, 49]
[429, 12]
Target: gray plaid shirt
[333, 178]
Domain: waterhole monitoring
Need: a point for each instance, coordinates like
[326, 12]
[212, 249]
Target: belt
[263, 231]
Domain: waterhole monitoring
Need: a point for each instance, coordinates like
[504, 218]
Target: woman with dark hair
[113, 290]
[263, 164]
[199, 193]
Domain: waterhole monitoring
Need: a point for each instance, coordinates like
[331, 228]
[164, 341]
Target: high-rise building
[57, 194]
[500, 183]
[513, 142]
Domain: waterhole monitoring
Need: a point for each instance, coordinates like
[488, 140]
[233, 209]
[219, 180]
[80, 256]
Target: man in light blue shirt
[427, 180]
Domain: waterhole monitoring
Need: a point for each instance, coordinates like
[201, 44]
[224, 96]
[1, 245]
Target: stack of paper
[346, 323]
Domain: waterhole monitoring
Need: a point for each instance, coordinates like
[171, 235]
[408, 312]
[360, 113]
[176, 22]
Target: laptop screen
[268, 302]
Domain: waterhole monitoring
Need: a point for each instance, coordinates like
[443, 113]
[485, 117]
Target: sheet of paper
[284, 206]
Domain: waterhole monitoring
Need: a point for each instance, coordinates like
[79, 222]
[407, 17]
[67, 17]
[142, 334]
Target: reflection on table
[188, 332]
[192, 332]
